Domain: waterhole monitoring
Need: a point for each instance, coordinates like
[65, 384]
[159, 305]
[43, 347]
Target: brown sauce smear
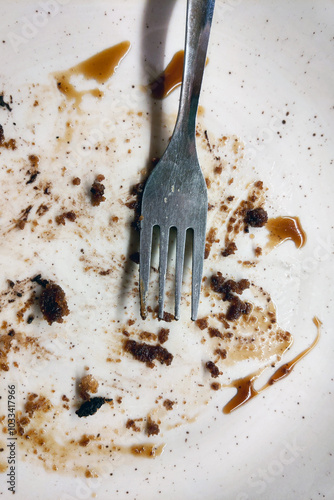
[245, 386]
[99, 67]
[148, 450]
[170, 78]
[285, 228]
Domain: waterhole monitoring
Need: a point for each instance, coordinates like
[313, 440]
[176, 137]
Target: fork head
[175, 196]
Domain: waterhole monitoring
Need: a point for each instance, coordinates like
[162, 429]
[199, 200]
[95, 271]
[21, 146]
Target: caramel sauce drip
[245, 386]
[99, 67]
[285, 228]
[170, 78]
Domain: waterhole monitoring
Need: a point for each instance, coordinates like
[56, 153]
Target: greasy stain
[285, 228]
[99, 67]
[245, 386]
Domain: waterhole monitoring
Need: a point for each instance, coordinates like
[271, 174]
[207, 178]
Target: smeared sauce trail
[148, 450]
[99, 67]
[245, 386]
[285, 228]
[170, 78]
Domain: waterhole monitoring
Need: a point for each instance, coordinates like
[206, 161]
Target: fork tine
[197, 270]
[144, 265]
[164, 239]
[180, 245]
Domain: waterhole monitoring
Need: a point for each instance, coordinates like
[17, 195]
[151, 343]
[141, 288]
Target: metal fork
[175, 195]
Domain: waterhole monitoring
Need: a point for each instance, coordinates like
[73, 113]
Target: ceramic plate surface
[264, 138]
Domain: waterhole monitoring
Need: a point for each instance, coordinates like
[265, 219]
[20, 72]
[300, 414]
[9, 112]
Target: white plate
[269, 83]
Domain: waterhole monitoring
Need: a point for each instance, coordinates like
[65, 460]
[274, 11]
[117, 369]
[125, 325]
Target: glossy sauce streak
[245, 386]
[285, 228]
[169, 79]
[99, 67]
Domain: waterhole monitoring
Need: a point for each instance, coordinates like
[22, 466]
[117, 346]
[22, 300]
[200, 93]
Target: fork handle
[199, 19]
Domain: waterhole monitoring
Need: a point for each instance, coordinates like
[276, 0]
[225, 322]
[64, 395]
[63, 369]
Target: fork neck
[198, 25]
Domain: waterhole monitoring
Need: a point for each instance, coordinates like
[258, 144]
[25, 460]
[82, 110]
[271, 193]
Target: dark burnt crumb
[97, 192]
[76, 181]
[213, 369]
[258, 251]
[53, 303]
[135, 257]
[23, 218]
[42, 209]
[11, 283]
[4, 104]
[230, 198]
[2, 135]
[152, 428]
[163, 335]
[215, 386]
[30, 319]
[146, 353]
[202, 323]
[131, 424]
[65, 398]
[39, 280]
[11, 333]
[91, 406]
[221, 353]
[218, 170]
[88, 384]
[214, 332]
[227, 288]
[257, 217]
[61, 219]
[237, 308]
[230, 249]
[32, 177]
[105, 272]
[210, 206]
[125, 333]
[168, 404]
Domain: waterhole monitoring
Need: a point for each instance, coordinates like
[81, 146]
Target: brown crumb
[221, 353]
[152, 428]
[23, 218]
[202, 323]
[97, 192]
[88, 384]
[163, 335]
[213, 369]
[227, 288]
[215, 386]
[37, 403]
[61, 219]
[230, 249]
[168, 404]
[76, 181]
[257, 217]
[53, 303]
[214, 332]
[131, 424]
[237, 308]
[258, 251]
[146, 353]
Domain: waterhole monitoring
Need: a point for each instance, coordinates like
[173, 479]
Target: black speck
[91, 406]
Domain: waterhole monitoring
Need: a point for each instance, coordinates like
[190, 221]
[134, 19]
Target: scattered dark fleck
[11, 333]
[23, 219]
[30, 319]
[90, 407]
[38, 279]
[32, 177]
[61, 219]
[227, 288]
[168, 404]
